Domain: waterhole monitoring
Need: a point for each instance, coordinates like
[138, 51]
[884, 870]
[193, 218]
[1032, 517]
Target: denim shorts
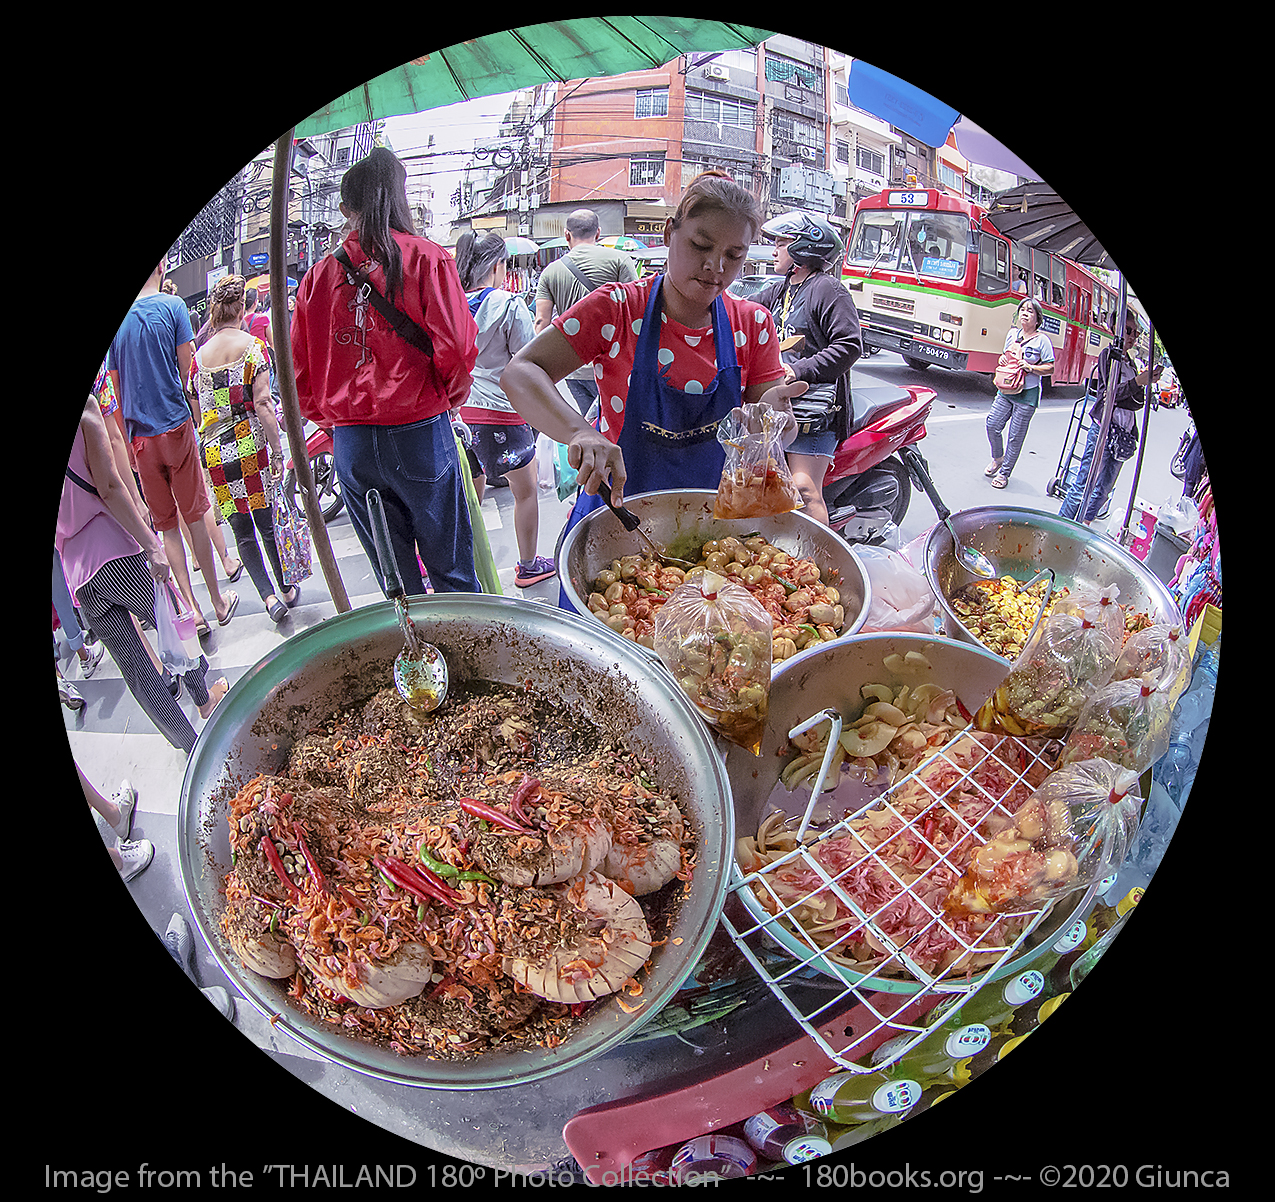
[824, 443]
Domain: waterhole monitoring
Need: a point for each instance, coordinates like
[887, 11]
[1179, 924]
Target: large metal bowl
[682, 521]
[1020, 542]
[830, 677]
[348, 658]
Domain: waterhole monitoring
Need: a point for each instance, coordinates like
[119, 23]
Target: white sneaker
[137, 855]
[89, 666]
[125, 797]
[181, 943]
[221, 999]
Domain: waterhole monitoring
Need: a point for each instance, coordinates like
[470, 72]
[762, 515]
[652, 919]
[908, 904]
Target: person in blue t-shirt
[149, 362]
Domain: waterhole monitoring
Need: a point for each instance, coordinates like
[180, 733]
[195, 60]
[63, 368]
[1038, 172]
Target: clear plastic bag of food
[755, 480]
[1069, 655]
[1076, 828]
[1126, 721]
[1158, 655]
[715, 638]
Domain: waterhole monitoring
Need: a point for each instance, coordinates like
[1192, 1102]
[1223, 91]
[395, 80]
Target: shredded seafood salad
[448, 883]
[866, 891]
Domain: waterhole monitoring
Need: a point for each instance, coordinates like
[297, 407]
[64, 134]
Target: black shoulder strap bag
[399, 321]
[579, 275]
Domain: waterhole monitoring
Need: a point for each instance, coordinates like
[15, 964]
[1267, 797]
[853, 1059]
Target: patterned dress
[235, 447]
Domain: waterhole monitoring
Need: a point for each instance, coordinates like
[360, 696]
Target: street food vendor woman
[672, 354]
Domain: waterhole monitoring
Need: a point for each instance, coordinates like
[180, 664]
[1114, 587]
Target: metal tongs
[632, 523]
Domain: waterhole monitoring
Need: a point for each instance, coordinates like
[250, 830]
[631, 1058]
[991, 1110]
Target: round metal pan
[577, 661]
[1023, 541]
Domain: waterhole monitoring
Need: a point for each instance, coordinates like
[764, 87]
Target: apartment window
[702, 107]
[951, 179]
[870, 160]
[651, 102]
[843, 152]
[784, 70]
[646, 171]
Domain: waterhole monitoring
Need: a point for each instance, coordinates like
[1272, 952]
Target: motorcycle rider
[818, 328]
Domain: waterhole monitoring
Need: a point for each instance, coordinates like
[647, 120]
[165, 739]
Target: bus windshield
[930, 244]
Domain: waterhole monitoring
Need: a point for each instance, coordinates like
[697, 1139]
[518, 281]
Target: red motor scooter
[869, 485]
[318, 448]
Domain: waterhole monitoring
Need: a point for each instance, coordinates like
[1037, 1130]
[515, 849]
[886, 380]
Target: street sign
[259, 260]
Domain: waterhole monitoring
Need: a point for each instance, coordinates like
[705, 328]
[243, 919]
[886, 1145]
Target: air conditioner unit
[716, 71]
[804, 152]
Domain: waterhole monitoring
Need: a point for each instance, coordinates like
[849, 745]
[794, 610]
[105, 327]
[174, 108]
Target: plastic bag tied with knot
[1158, 656]
[755, 480]
[1075, 829]
[715, 638]
[1069, 655]
[1126, 721]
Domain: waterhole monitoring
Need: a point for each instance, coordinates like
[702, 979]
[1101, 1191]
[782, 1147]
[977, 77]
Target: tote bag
[292, 537]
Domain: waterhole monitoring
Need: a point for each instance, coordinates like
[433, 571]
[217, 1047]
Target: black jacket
[824, 312]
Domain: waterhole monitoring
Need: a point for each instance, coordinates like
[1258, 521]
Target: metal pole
[1109, 405]
[1123, 540]
[279, 326]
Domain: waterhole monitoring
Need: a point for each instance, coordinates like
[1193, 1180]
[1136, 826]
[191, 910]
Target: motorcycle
[868, 488]
[1177, 465]
[318, 449]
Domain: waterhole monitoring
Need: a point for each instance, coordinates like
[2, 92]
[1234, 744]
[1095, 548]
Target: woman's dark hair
[476, 256]
[715, 191]
[375, 190]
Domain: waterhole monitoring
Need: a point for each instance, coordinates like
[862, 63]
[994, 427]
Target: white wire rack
[896, 993]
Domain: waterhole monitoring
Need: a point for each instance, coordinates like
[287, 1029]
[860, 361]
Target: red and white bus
[935, 282]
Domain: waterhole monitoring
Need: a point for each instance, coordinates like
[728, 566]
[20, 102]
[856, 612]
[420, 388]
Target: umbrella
[580, 48]
[1035, 215]
[520, 246]
[624, 242]
[486, 66]
[652, 254]
[262, 283]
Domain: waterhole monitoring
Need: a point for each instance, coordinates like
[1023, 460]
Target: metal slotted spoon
[420, 671]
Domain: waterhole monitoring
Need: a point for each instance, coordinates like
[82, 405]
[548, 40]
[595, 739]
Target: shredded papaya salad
[896, 859]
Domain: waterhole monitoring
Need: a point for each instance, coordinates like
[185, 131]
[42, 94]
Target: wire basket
[879, 876]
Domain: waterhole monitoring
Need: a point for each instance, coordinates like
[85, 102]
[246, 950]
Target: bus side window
[993, 264]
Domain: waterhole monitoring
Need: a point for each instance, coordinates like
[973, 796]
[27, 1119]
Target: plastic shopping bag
[177, 653]
[902, 599]
[716, 639]
[1076, 828]
[1126, 721]
[755, 479]
[292, 537]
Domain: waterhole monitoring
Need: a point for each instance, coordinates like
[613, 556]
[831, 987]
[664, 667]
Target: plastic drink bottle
[935, 1056]
[847, 1098]
[995, 1003]
[712, 1156]
[783, 1133]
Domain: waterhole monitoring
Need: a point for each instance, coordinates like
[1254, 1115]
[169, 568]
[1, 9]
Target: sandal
[999, 481]
[278, 611]
[992, 468]
[233, 576]
[230, 609]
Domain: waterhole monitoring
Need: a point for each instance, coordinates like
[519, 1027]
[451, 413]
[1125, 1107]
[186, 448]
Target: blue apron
[669, 437]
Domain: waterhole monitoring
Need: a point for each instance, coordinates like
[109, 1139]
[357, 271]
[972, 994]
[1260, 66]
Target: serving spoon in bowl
[420, 671]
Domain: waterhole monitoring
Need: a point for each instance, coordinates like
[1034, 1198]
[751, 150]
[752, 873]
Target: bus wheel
[916, 364]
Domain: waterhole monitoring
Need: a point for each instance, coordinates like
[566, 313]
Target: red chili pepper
[350, 899]
[963, 711]
[478, 809]
[527, 786]
[315, 871]
[411, 879]
[272, 857]
[285, 799]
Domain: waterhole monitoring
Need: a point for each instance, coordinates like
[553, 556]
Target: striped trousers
[116, 589]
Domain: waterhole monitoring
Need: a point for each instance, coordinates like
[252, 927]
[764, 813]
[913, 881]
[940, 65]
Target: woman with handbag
[1122, 433]
[815, 317]
[239, 436]
[504, 444]
[112, 559]
[383, 344]
[1027, 358]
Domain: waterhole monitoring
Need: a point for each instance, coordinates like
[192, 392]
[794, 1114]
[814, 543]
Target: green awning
[581, 48]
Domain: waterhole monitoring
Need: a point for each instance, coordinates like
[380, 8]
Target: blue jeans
[416, 469]
[1108, 471]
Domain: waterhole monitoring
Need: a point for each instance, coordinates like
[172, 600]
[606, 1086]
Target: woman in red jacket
[387, 400]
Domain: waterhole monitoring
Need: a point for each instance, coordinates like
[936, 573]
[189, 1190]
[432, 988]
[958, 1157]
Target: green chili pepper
[438, 866]
[476, 876]
[420, 912]
[274, 922]
[386, 879]
[789, 587]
